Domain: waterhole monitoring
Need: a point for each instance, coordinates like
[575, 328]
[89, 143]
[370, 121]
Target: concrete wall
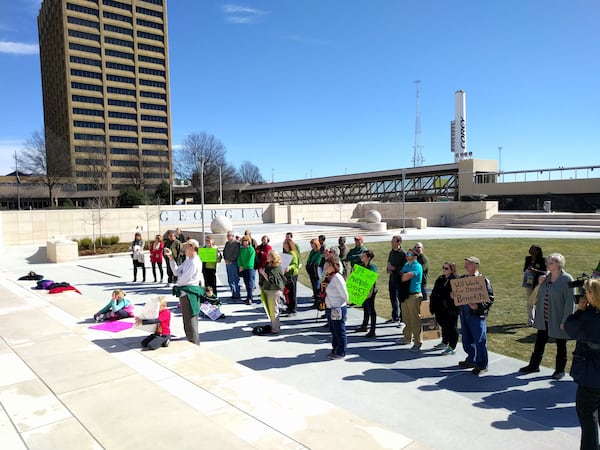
[37, 227]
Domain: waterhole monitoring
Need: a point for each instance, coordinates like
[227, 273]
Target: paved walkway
[62, 382]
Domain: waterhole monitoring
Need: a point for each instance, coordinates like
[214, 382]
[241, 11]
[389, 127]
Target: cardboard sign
[359, 283]
[148, 311]
[208, 254]
[469, 290]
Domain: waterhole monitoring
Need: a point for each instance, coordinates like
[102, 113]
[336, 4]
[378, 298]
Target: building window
[122, 127]
[85, 86]
[162, 153]
[120, 42]
[148, 12]
[158, 73]
[150, 141]
[155, 164]
[122, 115]
[118, 54]
[123, 151]
[83, 22]
[84, 48]
[154, 130]
[151, 36]
[86, 74]
[153, 106]
[149, 59]
[151, 48]
[125, 67]
[154, 118]
[88, 112]
[154, 2]
[159, 84]
[124, 163]
[127, 139]
[83, 35]
[120, 91]
[116, 29]
[86, 99]
[149, 24]
[89, 137]
[87, 61]
[124, 103]
[115, 16]
[86, 124]
[87, 149]
[82, 9]
[153, 95]
[120, 79]
[115, 4]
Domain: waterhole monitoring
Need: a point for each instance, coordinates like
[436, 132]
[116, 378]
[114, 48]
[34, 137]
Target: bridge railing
[552, 174]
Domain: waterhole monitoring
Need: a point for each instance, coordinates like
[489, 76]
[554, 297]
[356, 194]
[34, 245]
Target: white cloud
[241, 14]
[18, 48]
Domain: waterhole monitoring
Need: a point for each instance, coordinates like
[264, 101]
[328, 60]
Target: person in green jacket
[356, 252]
[272, 282]
[312, 267]
[245, 262]
[291, 276]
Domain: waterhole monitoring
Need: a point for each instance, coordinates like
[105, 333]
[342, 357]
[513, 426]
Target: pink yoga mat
[113, 327]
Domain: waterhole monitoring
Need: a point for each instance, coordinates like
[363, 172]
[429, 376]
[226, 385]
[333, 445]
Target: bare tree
[49, 166]
[204, 149]
[250, 173]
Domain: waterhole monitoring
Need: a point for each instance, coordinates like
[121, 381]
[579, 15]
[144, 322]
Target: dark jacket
[584, 326]
[439, 299]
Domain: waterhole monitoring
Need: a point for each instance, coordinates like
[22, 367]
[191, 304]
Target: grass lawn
[502, 262]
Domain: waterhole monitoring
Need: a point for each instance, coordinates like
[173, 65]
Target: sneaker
[390, 321]
[558, 375]
[415, 348]
[370, 334]
[466, 364]
[440, 346]
[401, 325]
[336, 356]
[448, 351]
[529, 369]
[248, 302]
[360, 329]
[479, 370]
[166, 343]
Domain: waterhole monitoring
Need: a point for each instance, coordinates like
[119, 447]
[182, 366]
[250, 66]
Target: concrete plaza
[64, 385]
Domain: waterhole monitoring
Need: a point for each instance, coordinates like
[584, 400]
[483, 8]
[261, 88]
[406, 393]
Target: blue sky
[312, 88]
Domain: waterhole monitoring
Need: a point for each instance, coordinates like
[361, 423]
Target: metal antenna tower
[417, 158]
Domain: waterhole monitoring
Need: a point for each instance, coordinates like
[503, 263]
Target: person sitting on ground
[162, 336]
[117, 308]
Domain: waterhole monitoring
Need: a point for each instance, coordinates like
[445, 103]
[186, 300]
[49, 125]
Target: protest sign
[469, 290]
[286, 259]
[208, 255]
[359, 283]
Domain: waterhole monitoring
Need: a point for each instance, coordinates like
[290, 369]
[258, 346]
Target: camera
[577, 284]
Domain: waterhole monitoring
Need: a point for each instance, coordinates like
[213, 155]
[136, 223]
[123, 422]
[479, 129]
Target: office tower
[105, 84]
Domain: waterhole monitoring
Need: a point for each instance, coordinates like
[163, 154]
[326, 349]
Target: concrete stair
[543, 221]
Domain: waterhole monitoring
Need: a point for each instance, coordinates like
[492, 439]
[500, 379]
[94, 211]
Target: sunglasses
[410, 254]
[445, 268]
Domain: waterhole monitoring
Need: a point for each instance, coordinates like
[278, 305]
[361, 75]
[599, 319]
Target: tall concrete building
[105, 84]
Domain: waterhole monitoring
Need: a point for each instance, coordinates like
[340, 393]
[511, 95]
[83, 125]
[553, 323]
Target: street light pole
[202, 195]
[220, 186]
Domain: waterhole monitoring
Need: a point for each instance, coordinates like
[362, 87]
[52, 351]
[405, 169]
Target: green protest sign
[359, 283]
[208, 254]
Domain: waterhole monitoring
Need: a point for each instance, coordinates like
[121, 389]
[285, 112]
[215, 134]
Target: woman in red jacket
[156, 256]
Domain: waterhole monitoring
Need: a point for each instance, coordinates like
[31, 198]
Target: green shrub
[85, 243]
[113, 240]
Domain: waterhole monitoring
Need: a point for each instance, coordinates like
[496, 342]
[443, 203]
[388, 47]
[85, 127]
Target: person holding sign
[413, 273]
[369, 304]
[209, 265]
[291, 275]
[555, 302]
[472, 318]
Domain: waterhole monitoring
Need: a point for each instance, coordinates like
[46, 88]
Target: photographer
[584, 326]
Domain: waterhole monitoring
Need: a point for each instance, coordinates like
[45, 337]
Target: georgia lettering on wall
[195, 215]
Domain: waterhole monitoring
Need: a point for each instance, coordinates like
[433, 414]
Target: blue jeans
[339, 342]
[249, 276]
[393, 290]
[233, 279]
[474, 338]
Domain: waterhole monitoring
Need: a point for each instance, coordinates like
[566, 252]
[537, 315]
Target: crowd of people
[551, 306]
